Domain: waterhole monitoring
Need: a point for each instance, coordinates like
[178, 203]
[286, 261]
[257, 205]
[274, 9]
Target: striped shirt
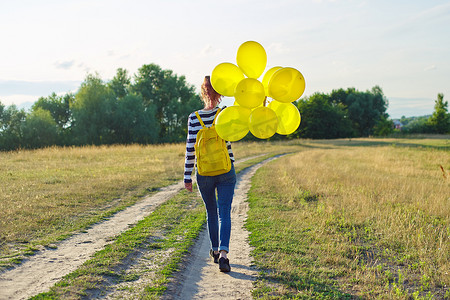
[194, 127]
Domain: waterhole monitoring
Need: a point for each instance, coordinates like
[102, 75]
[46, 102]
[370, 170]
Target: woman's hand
[188, 186]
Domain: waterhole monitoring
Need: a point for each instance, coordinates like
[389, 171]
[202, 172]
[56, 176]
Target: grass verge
[346, 221]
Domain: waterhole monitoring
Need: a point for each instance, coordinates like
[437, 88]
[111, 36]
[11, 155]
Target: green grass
[353, 219]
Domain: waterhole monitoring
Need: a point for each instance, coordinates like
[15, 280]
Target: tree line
[352, 113]
[344, 113]
[150, 107]
[153, 105]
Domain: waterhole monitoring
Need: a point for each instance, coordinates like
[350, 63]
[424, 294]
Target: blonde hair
[210, 97]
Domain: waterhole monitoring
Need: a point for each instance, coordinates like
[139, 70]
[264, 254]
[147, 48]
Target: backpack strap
[201, 121]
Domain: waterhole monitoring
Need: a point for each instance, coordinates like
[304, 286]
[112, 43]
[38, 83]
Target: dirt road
[200, 279]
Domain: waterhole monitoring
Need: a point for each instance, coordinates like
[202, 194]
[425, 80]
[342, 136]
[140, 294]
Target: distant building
[397, 124]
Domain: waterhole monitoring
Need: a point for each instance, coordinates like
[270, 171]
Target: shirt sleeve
[230, 152]
[189, 162]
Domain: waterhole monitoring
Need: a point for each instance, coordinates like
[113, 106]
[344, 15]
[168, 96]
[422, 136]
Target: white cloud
[278, 48]
[125, 56]
[430, 68]
[209, 50]
[65, 65]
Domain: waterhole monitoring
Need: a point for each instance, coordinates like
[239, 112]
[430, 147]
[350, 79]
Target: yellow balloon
[288, 117]
[252, 59]
[286, 85]
[263, 122]
[261, 105]
[232, 123]
[235, 103]
[267, 77]
[249, 93]
[225, 77]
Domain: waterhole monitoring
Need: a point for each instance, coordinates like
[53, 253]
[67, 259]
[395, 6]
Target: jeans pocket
[229, 177]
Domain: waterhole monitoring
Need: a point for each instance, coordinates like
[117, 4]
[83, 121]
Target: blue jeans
[218, 210]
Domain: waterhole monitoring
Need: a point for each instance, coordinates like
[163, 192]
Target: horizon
[228, 101]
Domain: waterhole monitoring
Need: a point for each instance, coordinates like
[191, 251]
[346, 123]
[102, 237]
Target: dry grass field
[363, 217]
[48, 194]
[335, 219]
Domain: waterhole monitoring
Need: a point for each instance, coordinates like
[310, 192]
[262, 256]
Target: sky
[402, 46]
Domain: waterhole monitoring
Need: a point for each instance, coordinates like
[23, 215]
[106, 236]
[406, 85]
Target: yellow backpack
[211, 151]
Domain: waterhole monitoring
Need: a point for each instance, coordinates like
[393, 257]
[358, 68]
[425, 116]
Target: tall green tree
[365, 109]
[439, 122]
[184, 100]
[134, 122]
[121, 83]
[39, 129]
[2, 108]
[384, 126]
[59, 108]
[11, 121]
[93, 109]
[322, 119]
[171, 96]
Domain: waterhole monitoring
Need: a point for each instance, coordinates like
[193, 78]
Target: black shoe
[215, 256]
[224, 264]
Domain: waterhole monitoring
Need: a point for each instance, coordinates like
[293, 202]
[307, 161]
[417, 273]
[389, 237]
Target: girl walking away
[218, 208]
